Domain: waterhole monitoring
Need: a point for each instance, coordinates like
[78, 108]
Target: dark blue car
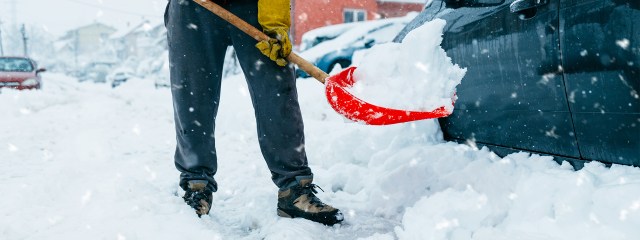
[555, 77]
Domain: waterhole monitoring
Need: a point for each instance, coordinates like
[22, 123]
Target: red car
[20, 73]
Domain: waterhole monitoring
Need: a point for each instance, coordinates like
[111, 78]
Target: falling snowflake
[584, 53]
[623, 43]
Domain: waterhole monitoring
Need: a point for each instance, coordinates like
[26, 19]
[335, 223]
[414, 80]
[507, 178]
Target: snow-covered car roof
[352, 35]
[328, 32]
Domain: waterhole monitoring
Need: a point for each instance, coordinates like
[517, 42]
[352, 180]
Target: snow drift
[83, 161]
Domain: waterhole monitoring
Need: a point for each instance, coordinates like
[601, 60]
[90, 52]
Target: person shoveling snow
[338, 97]
[198, 41]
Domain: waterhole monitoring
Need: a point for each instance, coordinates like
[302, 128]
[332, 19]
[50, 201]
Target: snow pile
[105, 171]
[413, 75]
[442, 190]
[530, 196]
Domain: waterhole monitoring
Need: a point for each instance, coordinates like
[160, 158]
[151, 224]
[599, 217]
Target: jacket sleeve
[274, 14]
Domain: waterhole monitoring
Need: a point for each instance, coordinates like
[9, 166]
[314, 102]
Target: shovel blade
[353, 108]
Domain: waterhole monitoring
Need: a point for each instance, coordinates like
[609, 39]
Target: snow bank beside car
[526, 197]
[430, 189]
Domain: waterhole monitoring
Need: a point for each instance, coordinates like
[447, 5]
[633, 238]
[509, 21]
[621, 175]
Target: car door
[600, 45]
[513, 94]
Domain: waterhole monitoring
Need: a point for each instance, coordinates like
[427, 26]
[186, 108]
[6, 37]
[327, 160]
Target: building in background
[308, 15]
[88, 38]
[82, 46]
[139, 39]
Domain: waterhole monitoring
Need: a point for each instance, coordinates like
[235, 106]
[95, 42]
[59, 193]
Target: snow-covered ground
[84, 161]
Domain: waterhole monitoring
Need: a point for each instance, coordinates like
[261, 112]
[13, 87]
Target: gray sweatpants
[197, 44]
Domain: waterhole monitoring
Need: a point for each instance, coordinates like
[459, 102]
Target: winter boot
[198, 197]
[301, 201]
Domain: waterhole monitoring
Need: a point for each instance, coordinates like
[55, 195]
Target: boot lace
[310, 189]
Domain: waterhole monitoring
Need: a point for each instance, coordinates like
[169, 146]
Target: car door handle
[521, 5]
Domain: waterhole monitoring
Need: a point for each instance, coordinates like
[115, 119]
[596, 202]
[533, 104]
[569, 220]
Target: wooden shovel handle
[247, 28]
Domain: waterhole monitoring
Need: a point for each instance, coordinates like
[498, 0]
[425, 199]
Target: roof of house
[71, 32]
[144, 26]
[128, 30]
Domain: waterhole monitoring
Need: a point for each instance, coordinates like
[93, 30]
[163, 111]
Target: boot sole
[283, 214]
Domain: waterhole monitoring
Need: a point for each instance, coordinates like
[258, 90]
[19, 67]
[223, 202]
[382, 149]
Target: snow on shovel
[336, 86]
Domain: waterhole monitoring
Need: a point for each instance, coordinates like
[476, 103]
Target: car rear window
[15, 65]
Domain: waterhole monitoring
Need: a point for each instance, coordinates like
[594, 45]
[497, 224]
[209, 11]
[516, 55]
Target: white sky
[59, 16]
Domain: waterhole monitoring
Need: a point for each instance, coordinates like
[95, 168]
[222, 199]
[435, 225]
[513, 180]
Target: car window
[15, 65]
[432, 10]
[322, 34]
[309, 43]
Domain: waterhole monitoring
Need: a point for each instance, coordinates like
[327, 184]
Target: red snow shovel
[336, 86]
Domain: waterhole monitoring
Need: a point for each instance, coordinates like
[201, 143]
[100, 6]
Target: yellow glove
[274, 17]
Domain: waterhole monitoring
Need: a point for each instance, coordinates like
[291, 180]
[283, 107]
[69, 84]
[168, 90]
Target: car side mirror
[41, 70]
[369, 43]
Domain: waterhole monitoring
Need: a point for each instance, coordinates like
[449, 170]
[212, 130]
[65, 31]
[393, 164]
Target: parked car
[316, 36]
[120, 76]
[555, 77]
[20, 73]
[162, 75]
[95, 72]
[339, 51]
